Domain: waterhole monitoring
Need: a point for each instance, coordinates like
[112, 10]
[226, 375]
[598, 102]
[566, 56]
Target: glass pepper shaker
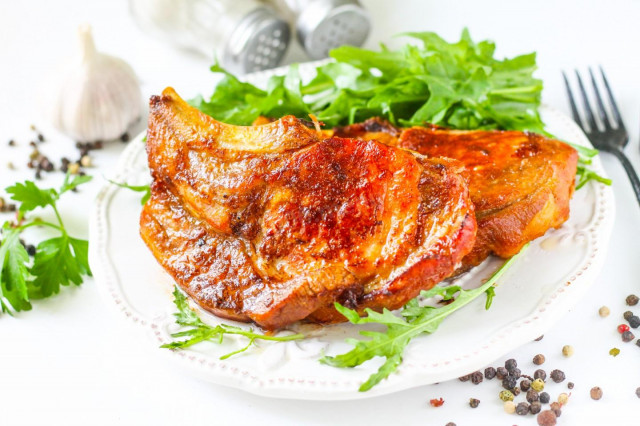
[246, 35]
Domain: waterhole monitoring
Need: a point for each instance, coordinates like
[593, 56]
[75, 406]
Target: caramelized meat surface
[274, 223]
[520, 183]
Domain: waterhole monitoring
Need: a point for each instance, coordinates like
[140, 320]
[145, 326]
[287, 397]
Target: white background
[72, 361]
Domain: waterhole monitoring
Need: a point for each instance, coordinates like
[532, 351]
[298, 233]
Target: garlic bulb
[96, 96]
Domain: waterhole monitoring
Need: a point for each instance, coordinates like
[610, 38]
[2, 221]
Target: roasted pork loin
[274, 223]
[520, 183]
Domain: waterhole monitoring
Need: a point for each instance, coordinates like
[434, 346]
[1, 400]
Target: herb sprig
[414, 321]
[199, 331]
[58, 261]
[457, 85]
[144, 189]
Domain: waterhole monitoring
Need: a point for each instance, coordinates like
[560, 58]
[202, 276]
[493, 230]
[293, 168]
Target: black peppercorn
[570, 385]
[501, 373]
[540, 374]
[632, 300]
[31, 250]
[465, 378]
[124, 137]
[450, 424]
[634, 321]
[476, 377]
[627, 315]
[535, 407]
[489, 373]
[539, 338]
[638, 392]
[12, 142]
[557, 376]
[532, 395]
[515, 391]
[40, 137]
[627, 336]
[509, 382]
[522, 409]
[510, 365]
[544, 397]
[515, 373]
[525, 385]
[473, 403]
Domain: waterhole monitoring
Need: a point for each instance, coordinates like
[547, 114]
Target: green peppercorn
[506, 395]
[537, 385]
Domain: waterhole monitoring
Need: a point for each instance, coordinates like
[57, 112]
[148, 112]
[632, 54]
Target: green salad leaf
[415, 320]
[199, 331]
[457, 85]
[58, 261]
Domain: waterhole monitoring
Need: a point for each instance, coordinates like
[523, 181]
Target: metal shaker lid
[258, 42]
[327, 24]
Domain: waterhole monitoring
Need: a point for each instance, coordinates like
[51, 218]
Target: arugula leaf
[200, 332]
[145, 189]
[58, 261]
[68, 185]
[415, 320]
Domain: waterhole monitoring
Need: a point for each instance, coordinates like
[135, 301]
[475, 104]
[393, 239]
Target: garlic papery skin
[95, 97]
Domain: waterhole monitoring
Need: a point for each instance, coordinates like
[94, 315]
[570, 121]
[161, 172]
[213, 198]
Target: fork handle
[628, 167]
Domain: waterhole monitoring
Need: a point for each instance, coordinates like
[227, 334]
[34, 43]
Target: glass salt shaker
[322, 25]
[245, 35]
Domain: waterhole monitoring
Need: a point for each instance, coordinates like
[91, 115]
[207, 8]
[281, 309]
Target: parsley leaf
[13, 271]
[31, 197]
[414, 320]
[199, 331]
[59, 261]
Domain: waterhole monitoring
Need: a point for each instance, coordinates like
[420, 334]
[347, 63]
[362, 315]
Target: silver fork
[613, 137]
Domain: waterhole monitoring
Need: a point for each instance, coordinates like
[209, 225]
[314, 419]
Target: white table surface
[71, 361]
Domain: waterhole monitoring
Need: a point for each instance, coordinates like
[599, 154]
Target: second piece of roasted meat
[520, 183]
[274, 223]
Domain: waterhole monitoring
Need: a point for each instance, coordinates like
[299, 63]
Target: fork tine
[587, 106]
[602, 112]
[572, 102]
[614, 107]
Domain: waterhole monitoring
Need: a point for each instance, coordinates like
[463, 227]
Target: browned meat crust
[273, 223]
[520, 183]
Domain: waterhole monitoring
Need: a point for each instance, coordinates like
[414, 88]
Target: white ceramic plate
[544, 284]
